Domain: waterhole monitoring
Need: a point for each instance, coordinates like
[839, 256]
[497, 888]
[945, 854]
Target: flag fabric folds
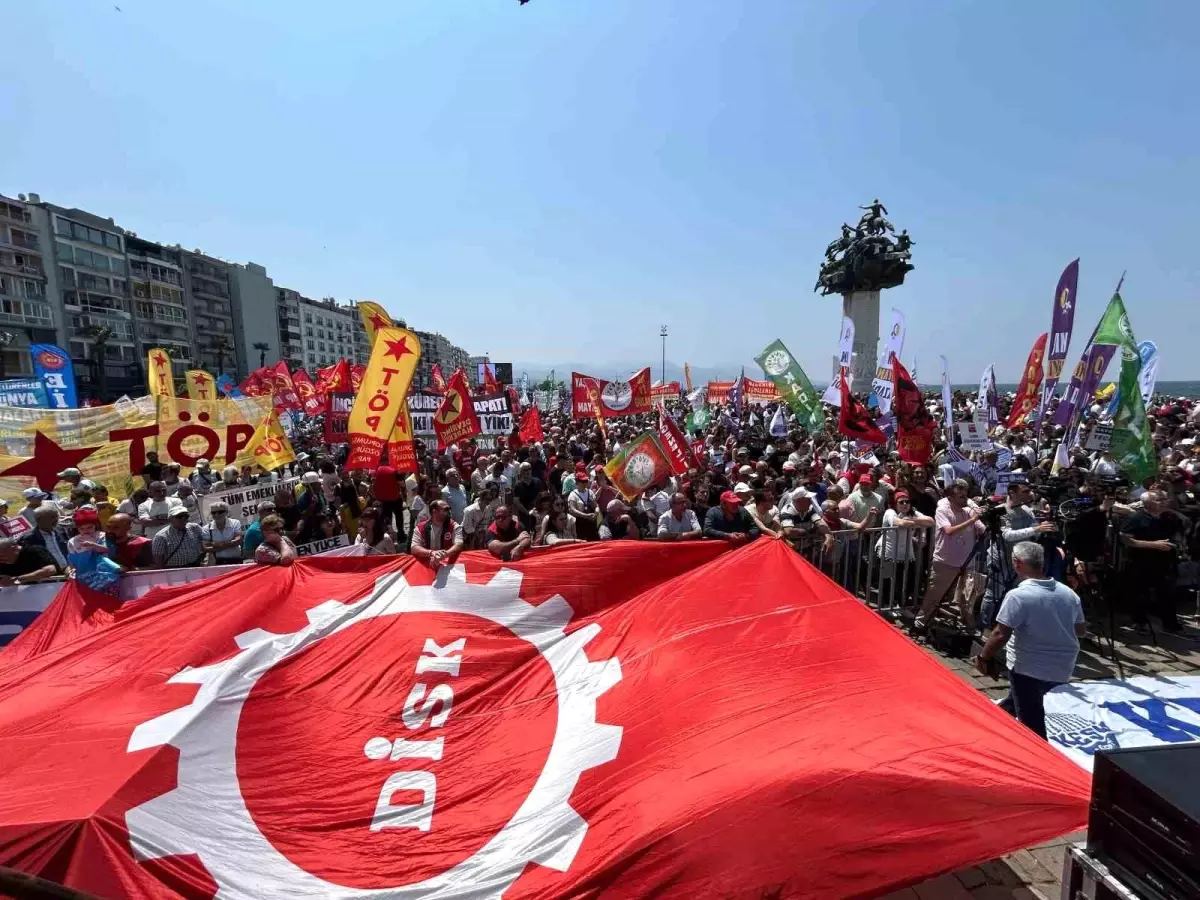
[854, 420]
[456, 419]
[675, 444]
[640, 463]
[390, 369]
[531, 426]
[311, 402]
[437, 379]
[1030, 388]
[374, 317]
[200, 385]
[1062, 322]
[160, 379]
[591, 396]
[591, 709]
[794, 387]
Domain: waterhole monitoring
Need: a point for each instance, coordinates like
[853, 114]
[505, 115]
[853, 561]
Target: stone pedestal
[862, 308]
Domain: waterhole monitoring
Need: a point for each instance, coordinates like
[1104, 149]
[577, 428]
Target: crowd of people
[851, 510]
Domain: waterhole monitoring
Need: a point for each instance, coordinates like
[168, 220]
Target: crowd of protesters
[832, 501]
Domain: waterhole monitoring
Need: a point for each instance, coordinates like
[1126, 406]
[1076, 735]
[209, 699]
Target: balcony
[26, 312]
[15, 214]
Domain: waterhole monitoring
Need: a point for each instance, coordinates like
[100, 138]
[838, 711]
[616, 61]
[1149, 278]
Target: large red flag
[335, 378]
[283, 388]
[312, 402]
[541, 729]
[490, 384]
[854, 421]
[356, 376]
[907, 404]
[675, 443]
[456, 419]
[531, 426]
[1029, 391]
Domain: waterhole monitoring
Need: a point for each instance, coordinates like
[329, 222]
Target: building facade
[27, 311]
[210, 295]
[435, 348]
[327, 330]
[160, 309]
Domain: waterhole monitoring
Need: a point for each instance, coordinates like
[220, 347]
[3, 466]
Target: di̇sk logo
[640, 471]
[777, 362]
[368, 756]
[617, 395]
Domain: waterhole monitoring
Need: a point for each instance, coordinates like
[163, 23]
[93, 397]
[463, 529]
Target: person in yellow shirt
[105, 508]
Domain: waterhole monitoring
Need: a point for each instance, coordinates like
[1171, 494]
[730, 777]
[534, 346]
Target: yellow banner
[220, 431]
[200, 385]
[159, 376]
[270, 446]
[103, 442]
[374, 317]
[381, 395]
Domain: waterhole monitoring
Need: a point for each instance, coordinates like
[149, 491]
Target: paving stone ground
[1037, 872]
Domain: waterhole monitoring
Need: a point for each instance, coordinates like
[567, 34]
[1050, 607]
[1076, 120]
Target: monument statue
[867, 257]
[864, 260]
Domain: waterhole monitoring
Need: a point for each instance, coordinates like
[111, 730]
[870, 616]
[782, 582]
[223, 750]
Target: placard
[243, 500]
[337, 418]
[312, 548]
[1100, 437]
[974, 436]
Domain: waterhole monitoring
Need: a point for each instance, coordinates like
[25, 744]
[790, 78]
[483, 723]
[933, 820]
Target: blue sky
[554, 181]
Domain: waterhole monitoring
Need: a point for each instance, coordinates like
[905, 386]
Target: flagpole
[662, 333]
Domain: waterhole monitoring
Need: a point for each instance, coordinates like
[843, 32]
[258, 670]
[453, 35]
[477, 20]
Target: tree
[222, 348]
[99, 335]
[262, 347]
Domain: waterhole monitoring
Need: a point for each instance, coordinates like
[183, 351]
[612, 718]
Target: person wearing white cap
[34, 498]
[75, 478]
[203, 479]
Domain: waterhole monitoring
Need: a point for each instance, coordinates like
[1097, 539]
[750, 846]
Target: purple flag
[1060, 332]
[1083, 383]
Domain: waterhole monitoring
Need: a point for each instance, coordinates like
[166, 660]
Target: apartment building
[291, 335]
[26, 310]
[208, 282]
[327, 331]
[160, 309]
[435, 348]
[255, 317]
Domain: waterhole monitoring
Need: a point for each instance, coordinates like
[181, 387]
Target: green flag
[795, 388]
[697, 420]
[1132, 443]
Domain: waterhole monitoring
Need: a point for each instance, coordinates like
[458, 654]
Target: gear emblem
[212, 812]
[777, 362]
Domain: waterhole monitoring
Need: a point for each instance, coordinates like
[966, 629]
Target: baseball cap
[730, 497]
[581, 474]
[310, 478]
[745, 470]
[177, 512]
[69, 473]
[865, 479]
[789, 466]
[34, 494]
[742, 488]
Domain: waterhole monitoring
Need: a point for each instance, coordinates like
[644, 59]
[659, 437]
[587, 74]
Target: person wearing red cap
[729, 521]
[581, 506]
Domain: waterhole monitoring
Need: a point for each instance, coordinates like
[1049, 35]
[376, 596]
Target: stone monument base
[862, 308]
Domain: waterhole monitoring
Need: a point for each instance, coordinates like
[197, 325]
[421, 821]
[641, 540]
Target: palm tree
[222, 348]
[99, 335]
[262, 347]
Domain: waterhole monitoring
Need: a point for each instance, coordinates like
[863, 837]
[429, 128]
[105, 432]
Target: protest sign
[974, 435]
[337, 420]
[312, 548]
[1100, 437]
[616, 398]
[243, 501]
[29, 393]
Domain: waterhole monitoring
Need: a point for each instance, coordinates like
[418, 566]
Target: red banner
[1029, 391]
[854, 420]
[283, 388]
[617, 398]
[312, 402]
[759, 391]
[438, 379]
[334, 378]
[531, 426]
[257, 384]
[337, 418]
[675, 444]
[356, 377]
[591, 710]
[717, 392]
[915, 442]
[668, 391]
[456, 419]
[907, 403]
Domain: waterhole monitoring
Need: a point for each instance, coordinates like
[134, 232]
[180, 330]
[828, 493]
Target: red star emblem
[377, 321]
[47, 461]
[450, 409]
[397, 348]
[160, 360]
[200, 380]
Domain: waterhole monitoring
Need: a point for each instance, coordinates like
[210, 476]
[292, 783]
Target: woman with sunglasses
[276, 548]
[897, 549]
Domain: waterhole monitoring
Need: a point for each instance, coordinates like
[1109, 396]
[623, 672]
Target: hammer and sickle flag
[383, 393]
[456, 419]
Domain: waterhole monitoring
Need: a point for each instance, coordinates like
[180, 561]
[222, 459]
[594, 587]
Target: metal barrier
[886, 568]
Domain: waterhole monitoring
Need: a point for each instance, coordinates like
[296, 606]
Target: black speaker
[1145, 817]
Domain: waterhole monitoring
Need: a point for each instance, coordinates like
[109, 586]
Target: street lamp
[662, 333]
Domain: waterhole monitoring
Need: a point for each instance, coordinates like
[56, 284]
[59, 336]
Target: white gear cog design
[206, 815]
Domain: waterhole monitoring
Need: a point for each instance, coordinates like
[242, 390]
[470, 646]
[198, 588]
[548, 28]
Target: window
[64, 251]
[310, 344]
[112, 240]
[76, 347]
[67, 276]
[62, 226]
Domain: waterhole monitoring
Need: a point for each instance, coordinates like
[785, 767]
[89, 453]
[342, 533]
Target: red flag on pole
[490, 383]
[1029, 391]
[312, 402]
[531, 426]
[437, 378]
[907, 404]
[456, 419]
[854, 421]
[675, 443]
[553, 708]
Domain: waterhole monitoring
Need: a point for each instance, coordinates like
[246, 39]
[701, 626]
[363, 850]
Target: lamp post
[662, 333]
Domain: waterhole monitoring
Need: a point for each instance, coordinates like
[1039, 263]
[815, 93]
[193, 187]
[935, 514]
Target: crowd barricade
[20, 605]
[873, 564]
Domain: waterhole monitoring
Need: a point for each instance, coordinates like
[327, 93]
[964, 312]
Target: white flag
[947, 402]
[833, 393]
[892, 343]
[778, 423]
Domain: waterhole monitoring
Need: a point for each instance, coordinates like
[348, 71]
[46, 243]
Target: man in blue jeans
[1042, 621]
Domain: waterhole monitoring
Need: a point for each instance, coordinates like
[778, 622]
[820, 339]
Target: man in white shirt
[478, 516]
[656, 503]
[155, 514]
[679, 523]
[222, 536]
[454, 494]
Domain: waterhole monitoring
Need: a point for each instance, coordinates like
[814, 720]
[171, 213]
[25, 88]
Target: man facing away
[1042, 621]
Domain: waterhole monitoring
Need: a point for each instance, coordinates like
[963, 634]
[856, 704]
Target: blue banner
[29, 393]
[227, 386]
[53, 366]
